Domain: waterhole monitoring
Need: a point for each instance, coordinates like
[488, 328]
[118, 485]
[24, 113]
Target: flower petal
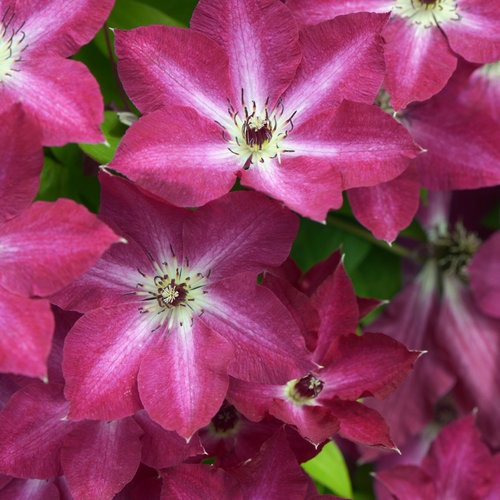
[68, 108]
[166, 65]
[178, 155]
[419, 62]
[387, 208]
[484, 270]
[243, 231]
[102, 355]
[26, 327]
[49, 245]
[22, 162]
[183, 380]
[260, 38]
[100, 458]
[343, 59]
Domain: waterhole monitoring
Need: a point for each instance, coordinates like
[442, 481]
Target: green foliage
[63, 177]
[329, 469]
[113, 130]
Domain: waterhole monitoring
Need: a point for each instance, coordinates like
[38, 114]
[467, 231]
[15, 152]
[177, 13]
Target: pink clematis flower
[176, 310]
[245, 93]
[423, 38]
[43, 247]
[324, 401]
[60, 96]
[458, 465]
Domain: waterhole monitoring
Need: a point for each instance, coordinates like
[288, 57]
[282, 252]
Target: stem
[119, 86]
[394, 248]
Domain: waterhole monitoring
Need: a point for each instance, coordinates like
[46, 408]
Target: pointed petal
[315, 423]
[343, 59]
[484, 270]
[260, 38]
[68, 108]
[166, 65]
[49, 245]
[162, 448]
[370, 365]
[183, 380]
[26, 327]
[361, 143]
[56, 25]
[33, 430]
[419, 62]
[360, 424]
[100, 458]
[243, 231]
[22, 161]
[306, 185]
[267, 342]
[178, 155]
[475, 35]
[387, 208]
[337, 305]
[102, 355]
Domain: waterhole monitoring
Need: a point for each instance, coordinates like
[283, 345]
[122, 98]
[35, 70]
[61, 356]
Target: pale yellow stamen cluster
[12, 45]
[172, 293]
[428, 14]
[257, 134]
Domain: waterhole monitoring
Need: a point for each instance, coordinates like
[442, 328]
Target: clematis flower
[324, 401]
[177, 309]
[35, 39]
[38, 442]
[43, 247]
[244, 93]
[458, 465]
[423, 38]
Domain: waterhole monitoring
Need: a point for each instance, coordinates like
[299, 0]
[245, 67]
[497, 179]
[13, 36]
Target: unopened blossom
[177, 309]
[59, 95]
[244, 93]
[423, 38]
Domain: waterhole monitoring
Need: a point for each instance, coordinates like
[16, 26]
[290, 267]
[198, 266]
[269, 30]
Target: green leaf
[328, 467]
[113, 130]
[63, 177]
[179, 9]
[316, 242]
[378, 276]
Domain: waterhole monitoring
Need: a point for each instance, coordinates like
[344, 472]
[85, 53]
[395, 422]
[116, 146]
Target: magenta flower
[423, 38]
[324, 401]
[458, 465]
[244, 93]
[43, 247]
[35, 39]
[177, 309]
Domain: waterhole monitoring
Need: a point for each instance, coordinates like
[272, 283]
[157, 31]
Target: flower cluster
[165, 344]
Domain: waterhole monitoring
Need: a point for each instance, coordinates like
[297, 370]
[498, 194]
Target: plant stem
[349, 227]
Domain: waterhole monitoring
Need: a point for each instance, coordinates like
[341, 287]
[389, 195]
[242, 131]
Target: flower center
[174, 293]
[454, 249]
[226, 421]
[12, 45]
[428, 13]
[257, 134]
[303, 391]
